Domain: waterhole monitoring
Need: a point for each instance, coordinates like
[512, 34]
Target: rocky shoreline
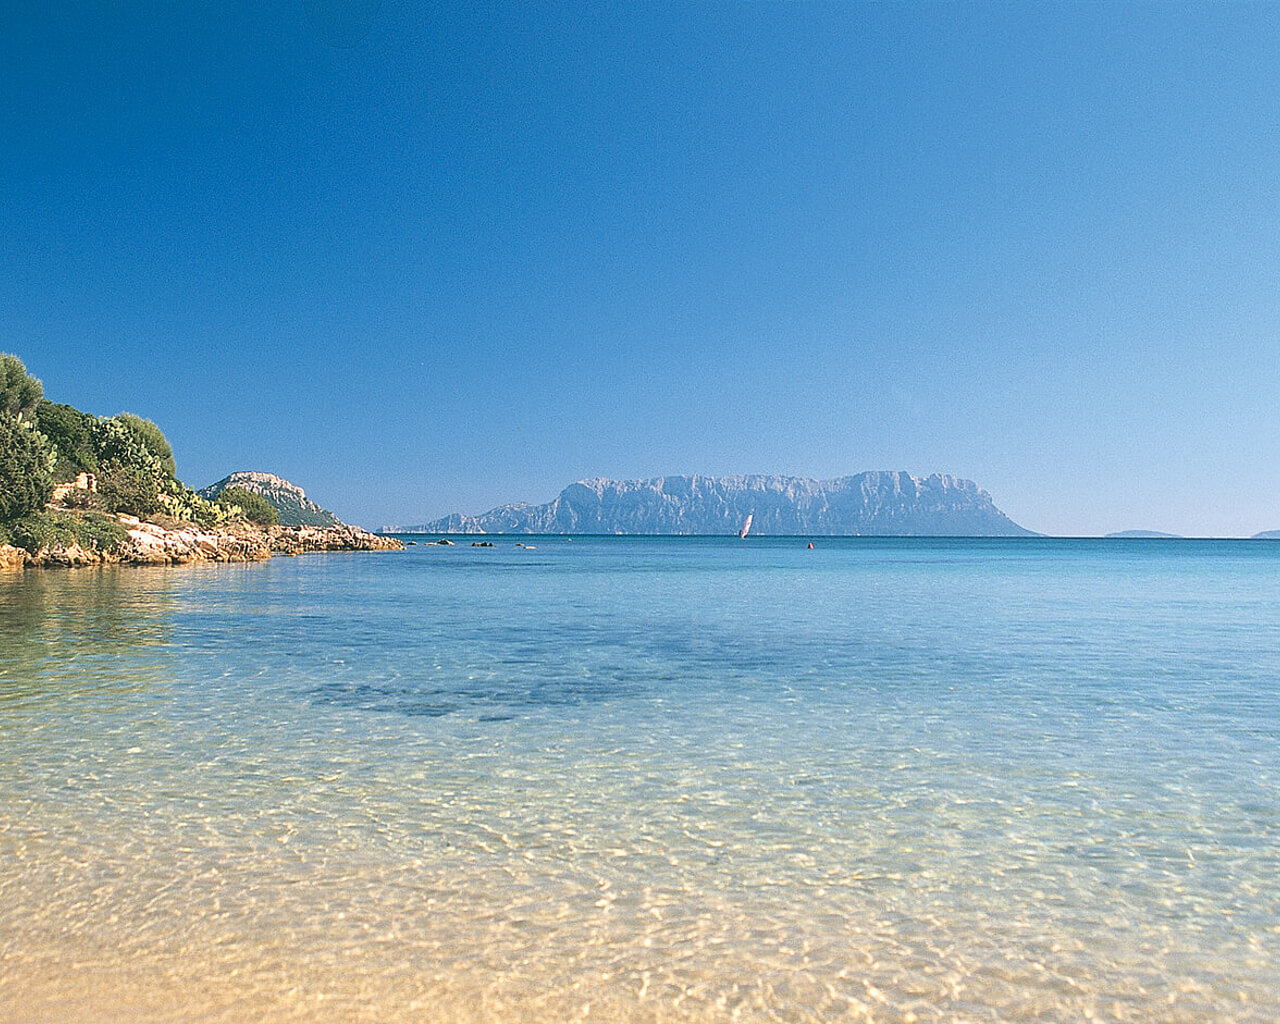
[150, 543]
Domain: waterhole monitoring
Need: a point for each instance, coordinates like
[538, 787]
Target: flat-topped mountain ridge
[887, 503]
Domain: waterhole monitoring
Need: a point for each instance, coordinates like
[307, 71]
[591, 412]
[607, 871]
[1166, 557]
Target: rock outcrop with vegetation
[289, 500]
[126, 540]
[77, 489]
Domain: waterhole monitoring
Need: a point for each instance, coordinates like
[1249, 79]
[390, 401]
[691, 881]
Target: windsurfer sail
[742, 535]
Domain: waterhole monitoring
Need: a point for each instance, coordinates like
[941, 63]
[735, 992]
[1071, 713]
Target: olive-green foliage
[26, 478]
[70, 431]
[255, 507]
[19, 391]
[188, 506]
[115, 444]
[44, 529]
[131, 478]
[128, 489]
[130, 455]
[151, 438]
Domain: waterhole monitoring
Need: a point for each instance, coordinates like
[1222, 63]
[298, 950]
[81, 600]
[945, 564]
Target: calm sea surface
[647, 780]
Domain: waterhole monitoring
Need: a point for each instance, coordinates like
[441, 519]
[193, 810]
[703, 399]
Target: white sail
[745, 527]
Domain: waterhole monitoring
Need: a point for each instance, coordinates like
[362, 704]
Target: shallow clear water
[647, 779]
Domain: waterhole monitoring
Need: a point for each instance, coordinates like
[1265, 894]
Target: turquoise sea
[642, 779]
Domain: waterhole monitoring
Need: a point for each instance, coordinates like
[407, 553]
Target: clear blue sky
[483, 250]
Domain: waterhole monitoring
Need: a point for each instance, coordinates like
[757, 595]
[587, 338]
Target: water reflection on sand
[220, 800]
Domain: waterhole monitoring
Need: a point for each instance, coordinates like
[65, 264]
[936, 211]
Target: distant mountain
[1267, 535]
[1142, 535]
[295, 508]
[871, 504]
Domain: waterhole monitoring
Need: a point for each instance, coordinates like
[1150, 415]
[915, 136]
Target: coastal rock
[295, 540]
[84, 482]
[74, 555]
[11, 557]
[153, 544]
[867, 504]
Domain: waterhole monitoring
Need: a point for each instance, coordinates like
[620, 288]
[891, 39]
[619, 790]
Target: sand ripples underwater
[646, 781]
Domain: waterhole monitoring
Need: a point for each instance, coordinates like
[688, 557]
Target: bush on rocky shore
[52, 529]
[70, 432]
[26, 478]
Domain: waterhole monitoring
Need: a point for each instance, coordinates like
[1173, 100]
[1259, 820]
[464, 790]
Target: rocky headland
[178, 543]
[290, 500]
[79, 489]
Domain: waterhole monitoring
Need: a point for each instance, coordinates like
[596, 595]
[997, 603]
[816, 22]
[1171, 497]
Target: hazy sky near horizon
[456, 255]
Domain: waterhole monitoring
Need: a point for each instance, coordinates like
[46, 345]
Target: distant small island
[886, 504]
[1142, 535]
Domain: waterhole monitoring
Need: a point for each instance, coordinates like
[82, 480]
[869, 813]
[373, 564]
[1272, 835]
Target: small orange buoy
[810, 545]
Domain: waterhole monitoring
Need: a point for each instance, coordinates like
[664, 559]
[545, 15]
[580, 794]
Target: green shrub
[70, 431]
[115, 443]
[42, 442]
[26, 478]
[128, 489]
[131, 478]
[20, 393]
[255, 507]
[188, 506]
[150, 437]
[46, 529]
